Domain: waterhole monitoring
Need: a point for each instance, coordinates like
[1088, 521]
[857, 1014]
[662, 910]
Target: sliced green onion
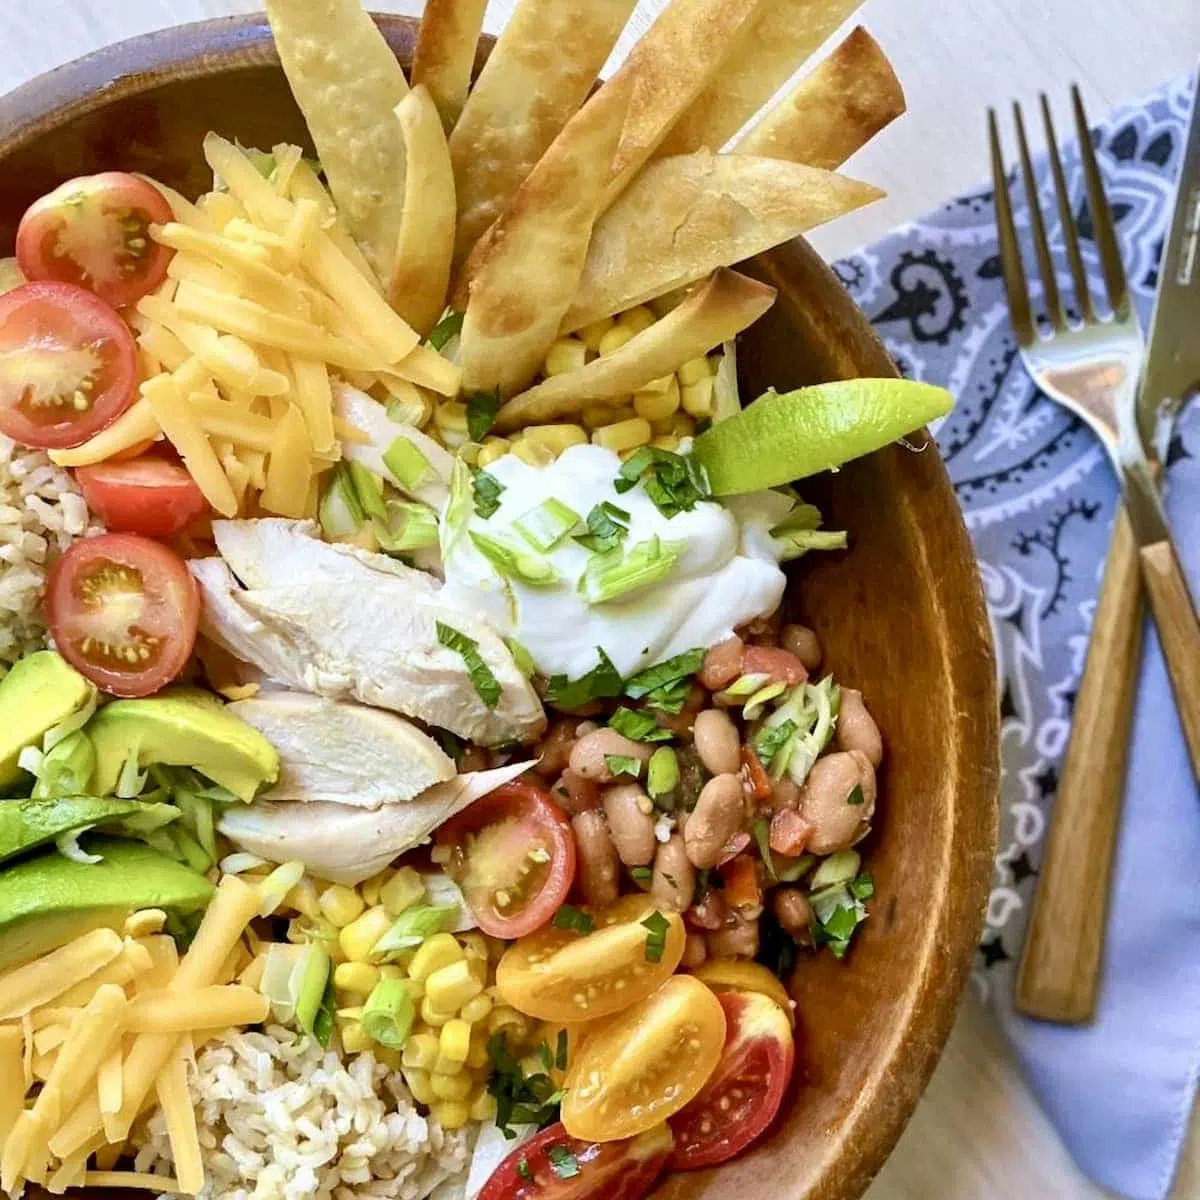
[450, 326]
[574, 919]
[406, 462]
[485, 683]
[368, 487]
[514, 563]
[798, 542]
[521, 657]
[762, 836]
[548, 525]
[389, 1013]
[487, 490]
[406, 410]
[340, 512]
[602, 682]
[638, 726]
[623, 764]
[482, 408]
[610, 576]
[744, 686]
[770, 739]
[662, 674]
[276, 886]
[412, 927]
[662, 776]
[795, 870]
[761, 699]
[837, 868]
[656, 938]
[296, 981]
[406, 525]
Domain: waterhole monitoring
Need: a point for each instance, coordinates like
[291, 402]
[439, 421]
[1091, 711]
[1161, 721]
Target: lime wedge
[784, 436]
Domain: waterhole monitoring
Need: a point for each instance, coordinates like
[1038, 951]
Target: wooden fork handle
[1179, 635]
[1059, 971]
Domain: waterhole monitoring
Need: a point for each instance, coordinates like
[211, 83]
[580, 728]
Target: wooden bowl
[901, 615]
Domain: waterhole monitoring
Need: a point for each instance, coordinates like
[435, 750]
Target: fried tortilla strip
[524, 279]
[347, 83]
[445, 53]
[669, 68]
[685, 216]
[785, 34]
[421, 262]
[715, 311]
[537, 76]
[834, 111]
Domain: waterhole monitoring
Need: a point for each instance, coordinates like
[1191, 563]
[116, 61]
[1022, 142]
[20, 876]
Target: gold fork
[1092, 368]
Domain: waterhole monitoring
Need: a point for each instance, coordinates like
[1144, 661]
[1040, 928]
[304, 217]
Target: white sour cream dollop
[721, 578]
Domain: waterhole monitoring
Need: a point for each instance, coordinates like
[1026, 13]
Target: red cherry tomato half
[556, 1166]
[123, 611]
[745, 1091]
[68, 365]
[781, 665]
[94, 231]
[513, 855]
[147, 495]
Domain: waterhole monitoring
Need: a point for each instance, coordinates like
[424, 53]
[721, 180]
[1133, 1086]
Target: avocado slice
[48, 900]
[41, 690]
[27, 824]
[181, 727]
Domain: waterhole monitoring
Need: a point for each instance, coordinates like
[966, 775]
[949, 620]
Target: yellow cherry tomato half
[735, 975]
[562, 975]
[644, 1065]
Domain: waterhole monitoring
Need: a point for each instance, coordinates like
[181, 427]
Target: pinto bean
[738, 939]
[674, 882]
[474, 758]
[714, 820]
[825, 801]
[556, 748]
[589, 755]
[722, 664]
[802, 642]
[631, 823]
[694, 951]
[856, 728]
[784, 794]
[599, 871]
[794, 913]
[718, 742]
[710, 913]
[576, 794]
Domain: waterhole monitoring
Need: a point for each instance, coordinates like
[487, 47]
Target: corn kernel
[369, 889]
[341, 905]
[450, 1114]
[402, 891]
[477, 1056]
[416, 988]
[451, 417]
[476, 1009]
[567, 354]
[596, 415]
[591, 334]
[433, 1016]
[347, 1016]
[358, 939]
[682, 425]
[532, 453]
[474, 944]
[698, 398]
[450, 987]
[447, 1066]
[483, 1107]
[492, 449]
[624, 435]
[614, 339]
[455, 1040]
[355, 1039]
[658, 386]
[556, 438]
[637, 319]
[391, 971]
[509, 1021]
[419, 1084]
[421, 1050]
[388, 1057]
[658, 406]
[666, 442]
[303, 899]
[450, 1087]
[694, 370]
[359, 977]
[436, 952]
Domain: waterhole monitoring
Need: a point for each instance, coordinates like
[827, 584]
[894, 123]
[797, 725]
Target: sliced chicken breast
[347, 845]
[332, 751]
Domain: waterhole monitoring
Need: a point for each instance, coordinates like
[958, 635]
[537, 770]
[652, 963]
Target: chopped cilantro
[520, 1099]
[575, 919]
[524, 1171]
[656, 939]
[562, 1162]
[448, 327]
[482, 408]
[863, 888]
[602, 681]
[641, 874]
[856, 797]
[638, 726]
[623, 764]
[607, 526]
[674, 482]
[486, 684]
[771, 739]
[560, 1050]
[488, 490]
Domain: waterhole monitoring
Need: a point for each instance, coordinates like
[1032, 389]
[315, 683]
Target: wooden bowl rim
[901, 1068]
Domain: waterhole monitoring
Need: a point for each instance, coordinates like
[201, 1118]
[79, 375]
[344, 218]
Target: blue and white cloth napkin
[1039, 495]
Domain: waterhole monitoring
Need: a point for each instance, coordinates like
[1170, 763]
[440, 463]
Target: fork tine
[1015, 286]
[1054, 310]
[1070, 235]
[1102, 220]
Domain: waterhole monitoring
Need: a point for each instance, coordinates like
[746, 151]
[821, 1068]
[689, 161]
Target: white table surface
[978, 1134]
